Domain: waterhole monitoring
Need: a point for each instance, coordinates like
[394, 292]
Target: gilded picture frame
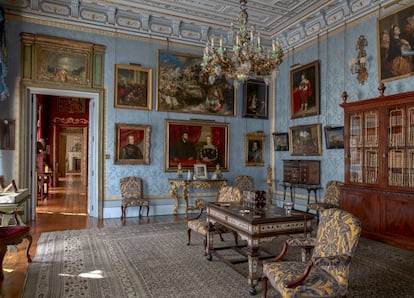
[305, 140]
[255, 99]
[254, 149]
[189, 142]
[181, 89]
[395, 55]
[304, 86]
[7, 134]
[133, 87]
[132, 144]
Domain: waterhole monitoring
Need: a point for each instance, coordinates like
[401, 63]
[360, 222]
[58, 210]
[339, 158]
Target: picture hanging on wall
[255, 99]
[255, 149]
[281, 141]
[181, 89]
[189, 142]
[132, 144]
[395, 32]
[304, 86]
[334, 137]
[305, 140]
[7, 131]
[133, 87]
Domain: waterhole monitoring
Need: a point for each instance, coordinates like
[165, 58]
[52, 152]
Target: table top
[14, 197]
[268, 214]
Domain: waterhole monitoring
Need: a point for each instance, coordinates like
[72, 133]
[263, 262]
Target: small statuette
[189, 175]
[218, 171]
[180, 171]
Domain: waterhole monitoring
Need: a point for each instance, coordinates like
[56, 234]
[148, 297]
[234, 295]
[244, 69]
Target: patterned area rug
[154, 261]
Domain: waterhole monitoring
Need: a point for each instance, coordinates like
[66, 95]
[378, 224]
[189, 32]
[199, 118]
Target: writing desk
[175, 184]
[11, 202]
[256, 226]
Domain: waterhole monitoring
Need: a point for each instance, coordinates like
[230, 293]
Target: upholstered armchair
[244, 183]
[199, 223]
[331, 199]
[327, 272]
[132, 194]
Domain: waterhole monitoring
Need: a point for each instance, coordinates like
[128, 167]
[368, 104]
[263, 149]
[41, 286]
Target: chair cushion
[318, 283]
[198, 225]
[126, 202]
[9, 233]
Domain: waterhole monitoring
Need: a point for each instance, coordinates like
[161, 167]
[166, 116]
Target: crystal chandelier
[248, 60]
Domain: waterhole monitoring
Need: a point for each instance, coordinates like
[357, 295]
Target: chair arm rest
[280, 256]
[302, 242]
[342, 260]
[301, 278]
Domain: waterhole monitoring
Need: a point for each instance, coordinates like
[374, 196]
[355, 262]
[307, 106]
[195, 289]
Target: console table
[309, 187]
[11, 202]
[175, 184]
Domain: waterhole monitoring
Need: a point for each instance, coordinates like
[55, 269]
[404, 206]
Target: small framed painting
[132, 144]
[256, 100]
[255, 149]
[334, 137]
[133, 87]
[200, 171]
[281, 141]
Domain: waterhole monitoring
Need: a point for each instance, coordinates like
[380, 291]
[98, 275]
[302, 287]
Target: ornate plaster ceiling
[293, 22]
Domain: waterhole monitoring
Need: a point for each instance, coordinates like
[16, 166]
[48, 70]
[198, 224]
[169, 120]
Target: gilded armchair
[132, 194]
[327, 272]
[200, 225]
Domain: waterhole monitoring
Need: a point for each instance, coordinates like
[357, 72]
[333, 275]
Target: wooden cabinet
[379, 167]
[301, 171]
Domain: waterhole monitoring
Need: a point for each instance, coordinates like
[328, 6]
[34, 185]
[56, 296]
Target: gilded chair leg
[147, 210]
[123, 208]
[188, 236]
[30, 239]
[264, 286]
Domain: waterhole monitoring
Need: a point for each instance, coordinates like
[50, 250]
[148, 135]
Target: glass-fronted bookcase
[379, 166]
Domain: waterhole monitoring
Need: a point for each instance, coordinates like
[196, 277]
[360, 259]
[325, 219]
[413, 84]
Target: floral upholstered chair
[331, 199]
[244, 183]
[200, 225]
[132, 194]
[327, 272]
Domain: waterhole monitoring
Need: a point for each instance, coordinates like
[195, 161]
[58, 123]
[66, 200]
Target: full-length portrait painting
[396, 44]
[304, 85]
[180, 88]
[132, 144]
[189, 142]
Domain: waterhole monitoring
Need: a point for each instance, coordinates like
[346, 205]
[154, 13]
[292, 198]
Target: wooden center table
[256, 226]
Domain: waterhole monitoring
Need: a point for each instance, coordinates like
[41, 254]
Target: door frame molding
[27, 105]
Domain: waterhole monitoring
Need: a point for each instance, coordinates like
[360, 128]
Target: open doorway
[61, 154]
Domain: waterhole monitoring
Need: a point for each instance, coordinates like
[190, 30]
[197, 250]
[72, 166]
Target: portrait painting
[254, 149]
[133, 87]
[281, 141]
[395, 32]
[132, 144]
[304, 86]
[255, 99]
[190, 142]
[71, 105]
[305, 140]
[181, 87]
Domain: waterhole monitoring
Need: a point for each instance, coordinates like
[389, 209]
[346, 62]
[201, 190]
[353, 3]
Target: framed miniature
[281, 141]
[189, 142]
[133, 87]
[132, 144]
[304, 86]
[395, 37]
[255, 149]
[334, 137]
[180, 88]
[200, 171]
[305, 140]
[255, 99]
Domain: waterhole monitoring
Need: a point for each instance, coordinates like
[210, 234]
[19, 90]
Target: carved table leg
[253, 258]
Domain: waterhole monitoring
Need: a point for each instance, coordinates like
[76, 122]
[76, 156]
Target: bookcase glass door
[355, 148]
[370, 167]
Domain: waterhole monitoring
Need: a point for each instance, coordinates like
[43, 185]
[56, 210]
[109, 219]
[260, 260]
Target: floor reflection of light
[71, 213]
[96, 274]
